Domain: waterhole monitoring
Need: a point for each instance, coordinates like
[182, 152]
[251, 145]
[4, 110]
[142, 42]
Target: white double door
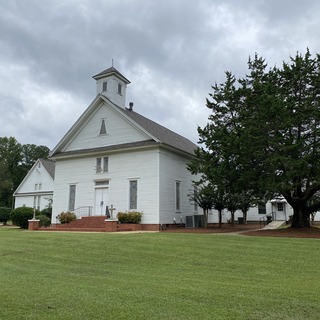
[101, 201]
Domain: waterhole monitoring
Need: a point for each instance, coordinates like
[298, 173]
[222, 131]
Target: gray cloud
[172, 53]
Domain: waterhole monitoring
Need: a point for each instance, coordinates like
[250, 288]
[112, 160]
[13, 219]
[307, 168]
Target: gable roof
[163, 134]
[49, 165]
[156, 133]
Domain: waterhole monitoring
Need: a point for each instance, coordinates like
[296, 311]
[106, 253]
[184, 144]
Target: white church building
[36, 189]
[113, 156]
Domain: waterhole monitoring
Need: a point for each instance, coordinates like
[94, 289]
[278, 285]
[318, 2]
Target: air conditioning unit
[189, 222]
[195, 221]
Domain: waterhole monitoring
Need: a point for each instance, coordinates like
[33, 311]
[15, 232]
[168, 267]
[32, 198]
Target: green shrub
[4, 214]
[21, 215]
[129, 217]
[44, 220]
[47, 212]
[66, 217]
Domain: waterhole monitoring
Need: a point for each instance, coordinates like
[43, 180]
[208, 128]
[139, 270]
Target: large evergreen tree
[263, 136]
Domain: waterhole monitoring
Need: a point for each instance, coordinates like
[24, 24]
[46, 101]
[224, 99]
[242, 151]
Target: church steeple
[113, 85]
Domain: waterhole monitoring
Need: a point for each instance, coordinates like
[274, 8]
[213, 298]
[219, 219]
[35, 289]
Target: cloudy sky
[171, 51]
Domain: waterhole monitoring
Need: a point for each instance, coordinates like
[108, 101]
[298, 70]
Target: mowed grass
[47, 275]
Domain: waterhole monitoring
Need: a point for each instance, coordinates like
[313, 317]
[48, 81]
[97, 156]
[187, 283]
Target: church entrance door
[101, 201]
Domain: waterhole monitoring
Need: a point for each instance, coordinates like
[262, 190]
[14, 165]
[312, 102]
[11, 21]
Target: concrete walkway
[274, 225]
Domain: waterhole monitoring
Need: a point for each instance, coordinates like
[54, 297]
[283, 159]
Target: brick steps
[95, 223]
[74, 229]
[99, 224]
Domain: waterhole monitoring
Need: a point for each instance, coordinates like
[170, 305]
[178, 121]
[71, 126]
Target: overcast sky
[171, 51]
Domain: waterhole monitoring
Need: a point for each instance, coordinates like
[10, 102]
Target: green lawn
[47, 275]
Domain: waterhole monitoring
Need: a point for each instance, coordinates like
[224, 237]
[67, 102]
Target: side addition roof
[49, 165]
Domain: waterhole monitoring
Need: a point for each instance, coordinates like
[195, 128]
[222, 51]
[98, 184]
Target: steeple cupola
[113, 85]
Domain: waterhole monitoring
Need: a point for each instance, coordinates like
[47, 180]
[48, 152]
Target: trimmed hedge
[44, 221]
[66, 217]
[5, 214]
[129, 217]
[47, 212]
[21, 215]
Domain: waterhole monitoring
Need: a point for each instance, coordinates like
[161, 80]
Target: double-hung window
[102, 164]
[262, 209]
[280, 206]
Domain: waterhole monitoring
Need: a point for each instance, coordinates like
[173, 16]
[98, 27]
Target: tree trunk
[220, 218]
[300, 219]
[244, 216]
[232, 217]
[205, 218]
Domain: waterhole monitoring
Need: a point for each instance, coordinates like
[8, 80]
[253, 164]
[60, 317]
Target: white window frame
[178, 196]
[101, 183]
[133, 203]
[72, 196]
[280, 207]
[102, 164]
[262, 209]
[105, 86]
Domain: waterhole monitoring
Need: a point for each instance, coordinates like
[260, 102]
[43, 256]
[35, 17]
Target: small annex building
[114, 156]
[36, 189]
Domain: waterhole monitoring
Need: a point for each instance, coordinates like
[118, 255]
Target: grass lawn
[48, 275]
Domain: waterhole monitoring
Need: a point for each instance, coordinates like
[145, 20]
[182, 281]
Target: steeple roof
[111, 71]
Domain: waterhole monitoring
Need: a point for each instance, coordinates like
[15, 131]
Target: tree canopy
[16, 160]
[263, 135]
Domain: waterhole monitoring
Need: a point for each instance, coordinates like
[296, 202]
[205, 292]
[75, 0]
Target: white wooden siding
[119, 131]
[140, 165]
[173, 167]
[24, 195]
[112, 90]
[28, 200]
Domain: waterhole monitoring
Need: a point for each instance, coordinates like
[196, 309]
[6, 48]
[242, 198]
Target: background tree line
[16, 160]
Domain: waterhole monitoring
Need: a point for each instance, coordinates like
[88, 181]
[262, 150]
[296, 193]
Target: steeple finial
[111, 62]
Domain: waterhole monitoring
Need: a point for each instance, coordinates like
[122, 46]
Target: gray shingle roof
[110, 71]
[49, 166]
[164, 135]
[139, 144]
